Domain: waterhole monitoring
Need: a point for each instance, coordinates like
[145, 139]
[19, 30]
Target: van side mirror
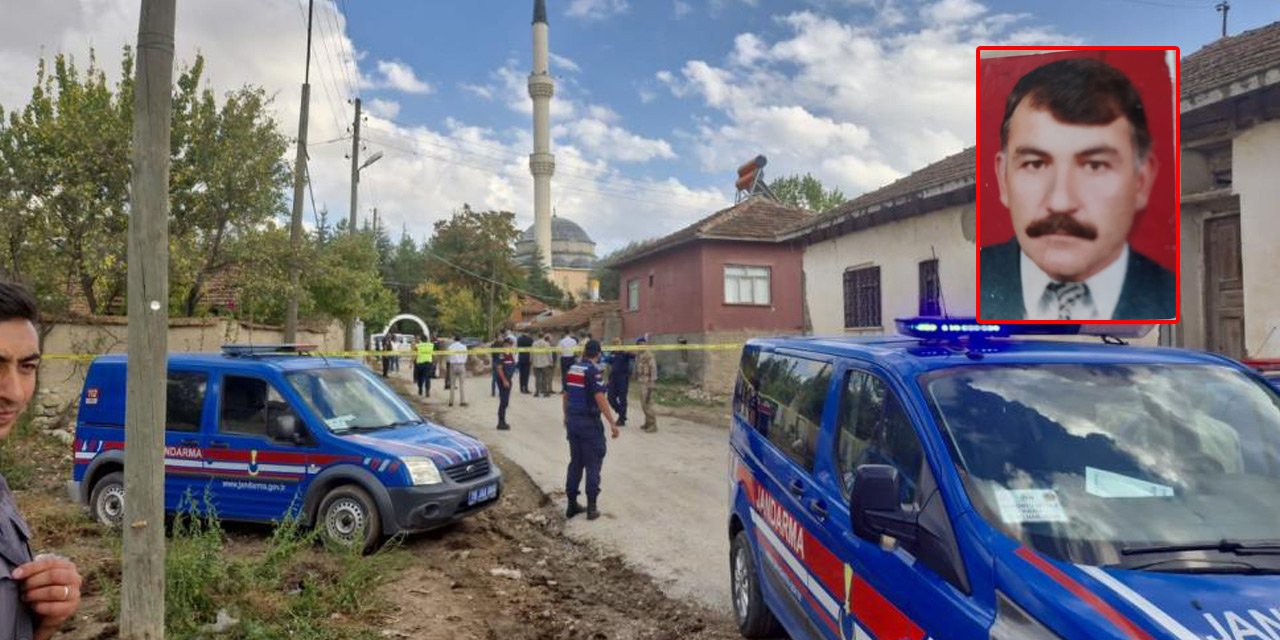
[284, 426]
[875, 508]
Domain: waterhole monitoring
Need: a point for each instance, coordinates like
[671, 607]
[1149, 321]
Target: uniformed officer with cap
[584, 404]
[36, 595]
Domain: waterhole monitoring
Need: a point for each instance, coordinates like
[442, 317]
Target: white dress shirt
[458, 358]
[1104, 290]
[567, 346]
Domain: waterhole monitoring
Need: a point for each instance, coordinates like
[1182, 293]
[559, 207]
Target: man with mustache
[37, 594]
[1075, 167]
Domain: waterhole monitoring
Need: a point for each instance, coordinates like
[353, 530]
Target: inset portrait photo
[1077, 185]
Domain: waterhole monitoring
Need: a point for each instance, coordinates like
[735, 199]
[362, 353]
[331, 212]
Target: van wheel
[348, 516]
[749, 610]
[107, 500]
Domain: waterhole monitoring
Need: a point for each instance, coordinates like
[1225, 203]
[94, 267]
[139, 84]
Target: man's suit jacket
[1149, 290]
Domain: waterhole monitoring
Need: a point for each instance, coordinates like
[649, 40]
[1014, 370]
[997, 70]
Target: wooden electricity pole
[142, 595]
[299, 184]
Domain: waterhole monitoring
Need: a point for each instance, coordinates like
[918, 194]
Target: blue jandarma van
[265, 430]
[960, 482]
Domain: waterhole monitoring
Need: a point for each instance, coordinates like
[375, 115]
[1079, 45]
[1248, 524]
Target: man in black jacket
[525, 341]
[1075, 168]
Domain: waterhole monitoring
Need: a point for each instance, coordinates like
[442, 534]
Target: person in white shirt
[568, 347]
[457, 369]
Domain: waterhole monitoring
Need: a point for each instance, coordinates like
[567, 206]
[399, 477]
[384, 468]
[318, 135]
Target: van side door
[254, 476]
[187, 409]
[887, 591]
[790, 399]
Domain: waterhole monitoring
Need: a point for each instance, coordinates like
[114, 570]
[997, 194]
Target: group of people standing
[595, 386]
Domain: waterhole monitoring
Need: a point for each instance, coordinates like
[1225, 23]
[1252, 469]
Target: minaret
[541, 163]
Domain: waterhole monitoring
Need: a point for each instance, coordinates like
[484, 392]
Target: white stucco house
[902, 250]
[1230, 113]
[909, 247]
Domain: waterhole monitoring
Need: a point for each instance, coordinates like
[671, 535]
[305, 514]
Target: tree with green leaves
[806, 192]
[475, 249]
[343, 280]
[66, 167]
[228, 177]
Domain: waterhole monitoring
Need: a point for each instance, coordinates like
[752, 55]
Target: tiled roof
[577, 317]
[757, 218]
[957, 170]
[1230, 59]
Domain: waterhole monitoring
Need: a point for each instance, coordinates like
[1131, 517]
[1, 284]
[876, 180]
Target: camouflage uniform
[646, 376]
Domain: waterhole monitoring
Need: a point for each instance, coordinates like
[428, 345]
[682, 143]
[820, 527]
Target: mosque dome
[571, 247]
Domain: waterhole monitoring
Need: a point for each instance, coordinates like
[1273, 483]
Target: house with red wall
[723, 279]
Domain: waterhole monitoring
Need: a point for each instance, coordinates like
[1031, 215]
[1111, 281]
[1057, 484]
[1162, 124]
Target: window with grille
[633, 294]
[862, 297]
[930, 289]
[746, 285]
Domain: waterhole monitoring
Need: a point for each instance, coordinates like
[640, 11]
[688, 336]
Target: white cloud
[478, 90]
[681, 9]
[855, 102]
[561, 62]
[951, 11]
[596, 9]
[395, 75]
[602, 140]
[387, 109]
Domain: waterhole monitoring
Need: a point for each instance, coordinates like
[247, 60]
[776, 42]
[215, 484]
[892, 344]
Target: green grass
[293, 588]
[16, 462]
[673, 392]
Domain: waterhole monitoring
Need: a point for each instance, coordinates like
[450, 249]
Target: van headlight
[1013, 623]
[422, 470]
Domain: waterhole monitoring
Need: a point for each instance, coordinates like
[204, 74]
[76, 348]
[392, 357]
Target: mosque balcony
[542, 164]
[541, 85]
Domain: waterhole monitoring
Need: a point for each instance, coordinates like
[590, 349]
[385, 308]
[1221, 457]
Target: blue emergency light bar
[933, 328]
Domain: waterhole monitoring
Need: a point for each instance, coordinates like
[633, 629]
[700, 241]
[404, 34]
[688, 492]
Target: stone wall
[61, 377]
[713, 371]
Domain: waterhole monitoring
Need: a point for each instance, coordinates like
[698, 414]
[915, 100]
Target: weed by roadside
[680, 393]
[291, 588]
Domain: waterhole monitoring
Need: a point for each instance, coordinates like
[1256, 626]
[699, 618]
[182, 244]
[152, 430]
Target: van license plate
[482, 494]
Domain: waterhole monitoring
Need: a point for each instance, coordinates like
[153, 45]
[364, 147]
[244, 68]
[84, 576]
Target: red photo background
[1155, 232]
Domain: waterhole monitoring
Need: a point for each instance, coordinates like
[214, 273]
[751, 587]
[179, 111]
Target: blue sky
[657, 100]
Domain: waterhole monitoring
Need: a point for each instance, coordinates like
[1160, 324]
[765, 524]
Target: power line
[302, 14]
[432, 254]
[338, 49]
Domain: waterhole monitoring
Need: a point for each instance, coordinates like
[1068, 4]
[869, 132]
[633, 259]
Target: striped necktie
[1072, 299]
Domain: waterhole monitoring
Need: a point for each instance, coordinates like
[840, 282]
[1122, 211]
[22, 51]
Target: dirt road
[663, 500]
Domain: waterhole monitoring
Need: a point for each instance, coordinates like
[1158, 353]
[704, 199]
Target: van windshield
[349, 398]
[1095, 463]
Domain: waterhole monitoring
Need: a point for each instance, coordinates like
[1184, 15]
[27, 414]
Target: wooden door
[1224, 286]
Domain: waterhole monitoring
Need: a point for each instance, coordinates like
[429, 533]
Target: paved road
[663, 495]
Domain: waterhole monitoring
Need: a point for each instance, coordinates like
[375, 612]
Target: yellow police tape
[478, 351]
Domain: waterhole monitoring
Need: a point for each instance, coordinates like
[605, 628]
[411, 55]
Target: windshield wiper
[392, 425]
[1225, 545]
[1199, 566]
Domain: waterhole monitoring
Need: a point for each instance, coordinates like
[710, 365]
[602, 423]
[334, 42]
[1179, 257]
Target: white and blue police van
[958, 481]
[261, 433]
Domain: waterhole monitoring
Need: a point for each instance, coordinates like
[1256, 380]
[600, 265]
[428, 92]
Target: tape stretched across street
[478, 351]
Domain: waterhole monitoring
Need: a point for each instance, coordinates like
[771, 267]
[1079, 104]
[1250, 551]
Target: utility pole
[299, 184]
[1223, 7]
[493, 275]
[142, 595]
[348, 338]
[355, 166]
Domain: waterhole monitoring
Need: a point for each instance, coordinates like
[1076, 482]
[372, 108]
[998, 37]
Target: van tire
[344, 512]
[753, 616]
[107, 500]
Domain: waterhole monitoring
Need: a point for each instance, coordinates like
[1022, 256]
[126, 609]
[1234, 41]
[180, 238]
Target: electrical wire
[431, 254]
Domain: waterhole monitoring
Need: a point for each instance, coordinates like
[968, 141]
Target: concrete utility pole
[1223, 7]
[348, 336]
[355, 167]
[299, 184]
[142, 596]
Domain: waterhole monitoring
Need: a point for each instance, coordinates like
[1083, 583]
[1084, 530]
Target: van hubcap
[111, 505]
[346, 519]
[741, 586]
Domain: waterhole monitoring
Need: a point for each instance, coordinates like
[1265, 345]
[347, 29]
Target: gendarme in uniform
[16, 619]
[585, 430]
